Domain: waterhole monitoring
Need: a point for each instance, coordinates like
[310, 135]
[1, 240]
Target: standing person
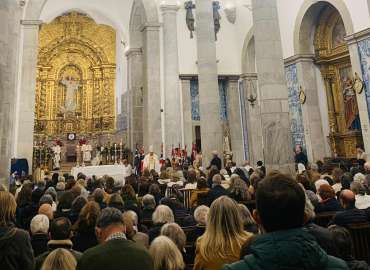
[15, 244]
[285, 244]
[127, 170]
[224, 236]
[215, 161]
[151, 161]
[300, 156]
[361, 155]
[115, 250]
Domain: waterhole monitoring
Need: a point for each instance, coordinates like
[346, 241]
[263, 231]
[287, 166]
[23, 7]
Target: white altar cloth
[115, 171]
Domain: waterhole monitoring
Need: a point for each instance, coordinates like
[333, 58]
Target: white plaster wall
[288, 11]
[115, 13]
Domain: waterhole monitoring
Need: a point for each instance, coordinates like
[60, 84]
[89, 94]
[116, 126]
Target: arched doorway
[332, 57]
[325, 72]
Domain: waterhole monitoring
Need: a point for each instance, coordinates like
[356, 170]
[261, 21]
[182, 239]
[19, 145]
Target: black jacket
[350, 216]
[39, 243]
[331, 205]
[84, 238]
[116, 254]
[215, 193]
[216, 161]
[15, 249]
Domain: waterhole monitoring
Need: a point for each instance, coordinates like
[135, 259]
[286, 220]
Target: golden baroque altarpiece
[75, 78]
[332, 56]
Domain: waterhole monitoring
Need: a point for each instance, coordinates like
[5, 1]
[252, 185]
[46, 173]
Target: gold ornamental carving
[332, 56]
[75, 88]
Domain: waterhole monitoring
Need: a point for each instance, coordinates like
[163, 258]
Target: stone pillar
[209, 100]
[235, 121]
[173, 134]
[26, 91]
[314, 135]
[135, 97]
[186, 113]
[152, 111]
[10, 15]
[277, 140]
[253, 118]
[361, 98]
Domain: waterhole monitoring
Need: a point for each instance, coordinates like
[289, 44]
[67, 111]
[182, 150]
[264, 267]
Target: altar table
[115, 171]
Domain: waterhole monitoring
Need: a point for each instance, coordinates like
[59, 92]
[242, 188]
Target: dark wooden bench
[323, 219]
[361, 240]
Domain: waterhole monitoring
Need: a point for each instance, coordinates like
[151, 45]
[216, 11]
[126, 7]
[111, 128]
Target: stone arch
[33, 9]
[249, 54]
[306, 21]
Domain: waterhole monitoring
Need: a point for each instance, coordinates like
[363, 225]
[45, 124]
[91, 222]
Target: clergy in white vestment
[57, 151]
[151, 161]
[86, 152]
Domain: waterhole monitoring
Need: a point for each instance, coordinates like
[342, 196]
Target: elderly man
[60, 234]
[114, 251]
[217, 190]
[285, 244]
[350, 214]
[40, 234]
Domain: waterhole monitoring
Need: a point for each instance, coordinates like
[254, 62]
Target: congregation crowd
[186, 217]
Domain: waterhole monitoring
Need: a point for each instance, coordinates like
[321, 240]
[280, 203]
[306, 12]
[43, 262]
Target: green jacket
[287, 250]
[116, 254]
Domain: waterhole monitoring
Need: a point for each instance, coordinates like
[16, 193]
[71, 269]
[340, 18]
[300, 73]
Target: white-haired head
[201, 214]
[163, 214]
[359, 177]
[39, 224]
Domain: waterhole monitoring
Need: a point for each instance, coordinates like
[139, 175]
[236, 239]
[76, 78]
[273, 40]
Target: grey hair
[162, 214]
[358, 188]
[217, 180]
[149, 200]
[201, 214]
[39, 224]
[175, 233]
[109, 216]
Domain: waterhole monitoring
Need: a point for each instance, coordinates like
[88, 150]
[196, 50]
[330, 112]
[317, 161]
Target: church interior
[208, 99]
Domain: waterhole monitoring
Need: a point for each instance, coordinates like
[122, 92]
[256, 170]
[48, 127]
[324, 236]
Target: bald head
[367, 166]
[47, 210]
[347, 199]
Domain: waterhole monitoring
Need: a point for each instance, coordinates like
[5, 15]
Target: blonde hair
[163, 214]
[224, 235]
[59, 259]
[165, 254]
[8, 207]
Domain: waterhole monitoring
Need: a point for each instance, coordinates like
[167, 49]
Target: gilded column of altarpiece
[75, 78]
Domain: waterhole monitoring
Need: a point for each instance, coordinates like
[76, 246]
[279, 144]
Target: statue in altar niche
[71, 86]
[351, 112]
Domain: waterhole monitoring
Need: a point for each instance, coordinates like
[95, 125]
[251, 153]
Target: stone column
[235, 121]
[186, 113]
[209, 100]
[152, 125]
[172, 112]
[10, 15]
[277, 140]
[314, 135]
[26, 91]
[253, 118]
[135, 97]
[361, 98]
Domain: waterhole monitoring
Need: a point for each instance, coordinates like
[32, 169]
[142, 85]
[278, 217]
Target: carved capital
[165, 8]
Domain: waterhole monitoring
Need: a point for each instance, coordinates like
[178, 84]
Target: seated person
[217, 190]
[162, 215]
[350, 214]
[328, 201]
[202, 188]
[40, 234]
[60, 235]
[285, 245]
